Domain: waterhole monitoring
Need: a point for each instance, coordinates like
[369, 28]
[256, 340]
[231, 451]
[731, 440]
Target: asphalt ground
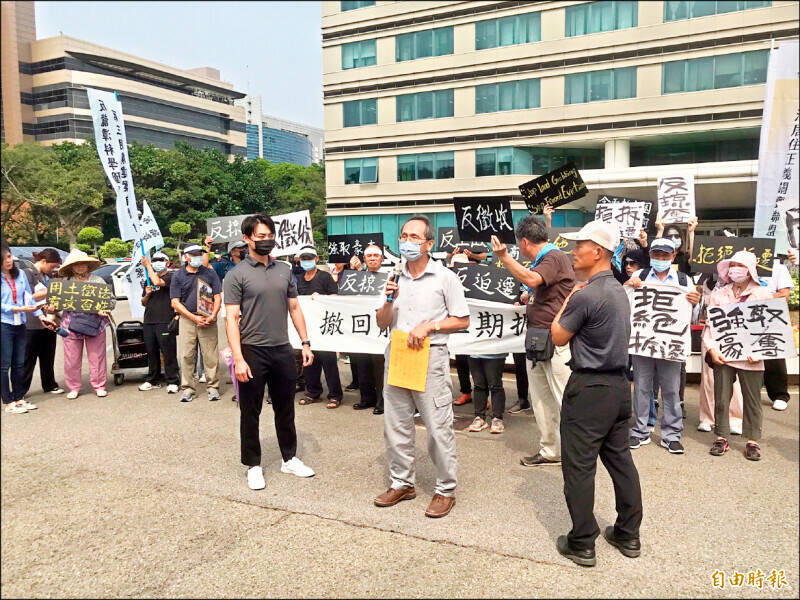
[139, 495]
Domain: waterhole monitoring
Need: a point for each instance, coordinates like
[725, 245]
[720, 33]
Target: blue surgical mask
[410, 250]
[308, 265]
[660, 265]
[159, 265]
[196, 261]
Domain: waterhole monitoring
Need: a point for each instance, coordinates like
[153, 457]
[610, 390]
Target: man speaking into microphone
[425, 300]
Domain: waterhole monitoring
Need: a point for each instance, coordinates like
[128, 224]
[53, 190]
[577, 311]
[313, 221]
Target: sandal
[752, 451]
[307, 400]
[334, 403]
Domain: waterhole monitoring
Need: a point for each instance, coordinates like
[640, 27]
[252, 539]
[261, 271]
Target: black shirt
[159, 307]
[322, 283]
[184, 286]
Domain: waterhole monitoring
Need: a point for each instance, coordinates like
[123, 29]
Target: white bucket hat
[744, 257]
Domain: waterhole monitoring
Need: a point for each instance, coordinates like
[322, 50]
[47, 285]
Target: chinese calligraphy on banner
[151, 234]
[341, 248]
[292, 232]
[676, 198]
[361, 283]
[484, 282]
[79, 296]
[559, 186]
[112, 148]
[760, 328]
[478, 219]
[709, 250]
[649, 219]
[560, 242]
[447, 239]
[627, 216]
[660, 319]
[225, 229]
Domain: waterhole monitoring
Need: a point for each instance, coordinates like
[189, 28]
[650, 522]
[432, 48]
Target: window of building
[411, 167]
[519, 29]
[595, 17]
[361, 170]
[502, 161]
[611, 84]
[421, 44]
[694, 151]
[358, 54]
[360, 112]
[710, 72]
[544, 160]
[425, 105]
[675, 11]
[510, 95]
[354, 4]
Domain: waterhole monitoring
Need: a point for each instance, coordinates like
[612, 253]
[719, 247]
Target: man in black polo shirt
[158, 313]
[261, 291]
[596, 408]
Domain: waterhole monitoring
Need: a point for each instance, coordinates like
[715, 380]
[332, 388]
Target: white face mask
[159, 265]
[738, 274]
[196, 261]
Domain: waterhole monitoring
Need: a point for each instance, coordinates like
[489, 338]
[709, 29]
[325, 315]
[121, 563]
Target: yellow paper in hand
[408, 368]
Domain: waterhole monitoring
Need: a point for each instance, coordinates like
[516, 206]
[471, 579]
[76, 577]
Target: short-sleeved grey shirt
[435, 295]
[600, 317]
[263, 293]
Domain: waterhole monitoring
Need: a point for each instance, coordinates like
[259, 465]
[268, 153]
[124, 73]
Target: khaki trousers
[546, 383]
[188, 334]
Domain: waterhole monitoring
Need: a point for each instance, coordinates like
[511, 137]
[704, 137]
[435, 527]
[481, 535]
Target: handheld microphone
[398, 268]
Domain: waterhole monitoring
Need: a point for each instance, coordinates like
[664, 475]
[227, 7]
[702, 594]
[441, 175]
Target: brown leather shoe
[392, 496]
[440, 506]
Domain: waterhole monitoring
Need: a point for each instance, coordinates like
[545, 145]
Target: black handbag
[174, 325]
[539, 345]
[86, 324]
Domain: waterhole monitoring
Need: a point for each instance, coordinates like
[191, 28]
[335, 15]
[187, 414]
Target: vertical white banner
[151, 234]
[777, 190]
[136, 278]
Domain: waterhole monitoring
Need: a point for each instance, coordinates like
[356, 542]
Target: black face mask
[264, 247]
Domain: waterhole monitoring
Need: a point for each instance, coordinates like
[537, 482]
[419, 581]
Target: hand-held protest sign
[709, 250]
[80, 296]
[225, 229]
[676, 198]
[558, 187]
[447, 239]
[650, 209]
[408, 367]
[513, 252]
[361, 283]
[151, 234]
[627, 216]
[205, 298]
[484, 282]
[341, 248]
[292, 232]
[563, 244]
[660, 322]
[478, 219]
[759, 328]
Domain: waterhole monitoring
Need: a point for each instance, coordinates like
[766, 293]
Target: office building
[426, 101]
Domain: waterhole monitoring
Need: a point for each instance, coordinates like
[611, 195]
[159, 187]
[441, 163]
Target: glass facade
[675, 11]
[286, 146]
[611, 84]
[712, 72]
[252, 141]
[421, 44]
[361, 170]
[354, 4]
[424, 105]
[511, 95]
[544, 160]
[519, 29]
[502, 161]
[694, 151]
[358, 54]
[360, 112]
[595, 17]
[438, 165]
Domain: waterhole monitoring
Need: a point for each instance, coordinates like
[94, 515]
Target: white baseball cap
[603, 234]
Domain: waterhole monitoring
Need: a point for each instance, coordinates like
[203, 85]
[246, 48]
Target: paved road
[140, 495]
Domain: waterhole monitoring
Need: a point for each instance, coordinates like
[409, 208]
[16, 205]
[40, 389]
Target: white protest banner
[676, 198]
[777, 186]
[347, 324]
[151, 234]
[109, 133]
[136, 279]
[226, 229]
[660, 322]
[627, 216]
[292, 232]
[759, 328]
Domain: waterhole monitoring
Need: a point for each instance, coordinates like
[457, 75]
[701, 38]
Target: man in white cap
[158, 314]
[647, 370]
[595, 321]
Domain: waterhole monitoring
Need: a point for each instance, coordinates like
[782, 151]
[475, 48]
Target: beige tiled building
[425, 101]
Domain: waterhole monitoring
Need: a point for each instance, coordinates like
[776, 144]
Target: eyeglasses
[411, 238]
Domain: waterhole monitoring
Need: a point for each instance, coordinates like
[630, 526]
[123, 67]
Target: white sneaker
[27, 405]
[101, 393]
[478, 424]
[148, 386]
[779, 405]
[736, 428]
[173, 388]
[202, 378]
[57, 391]
[295, 466]
[704, 427]
[15, 408]
[72, 395]
[255, 478]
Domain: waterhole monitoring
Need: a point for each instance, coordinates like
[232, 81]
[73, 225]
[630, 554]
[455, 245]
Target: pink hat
[748, 259]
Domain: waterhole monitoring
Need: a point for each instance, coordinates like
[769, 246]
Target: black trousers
[323, 361]
[521, 371]
[273, 368]
[40, 345]
[462, 367]
[775, 379]
[487, 375]
[298, 365]
[354, 381]
[594, 420]
[158, 340]
[370, 378]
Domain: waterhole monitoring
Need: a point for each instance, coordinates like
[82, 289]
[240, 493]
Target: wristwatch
[306, 343]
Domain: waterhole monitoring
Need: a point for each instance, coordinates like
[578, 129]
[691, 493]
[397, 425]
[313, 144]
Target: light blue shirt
[24, 298]
[671, 279]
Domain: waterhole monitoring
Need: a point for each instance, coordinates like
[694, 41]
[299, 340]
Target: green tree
[91, 236]
[114, 248]
[179, 230]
